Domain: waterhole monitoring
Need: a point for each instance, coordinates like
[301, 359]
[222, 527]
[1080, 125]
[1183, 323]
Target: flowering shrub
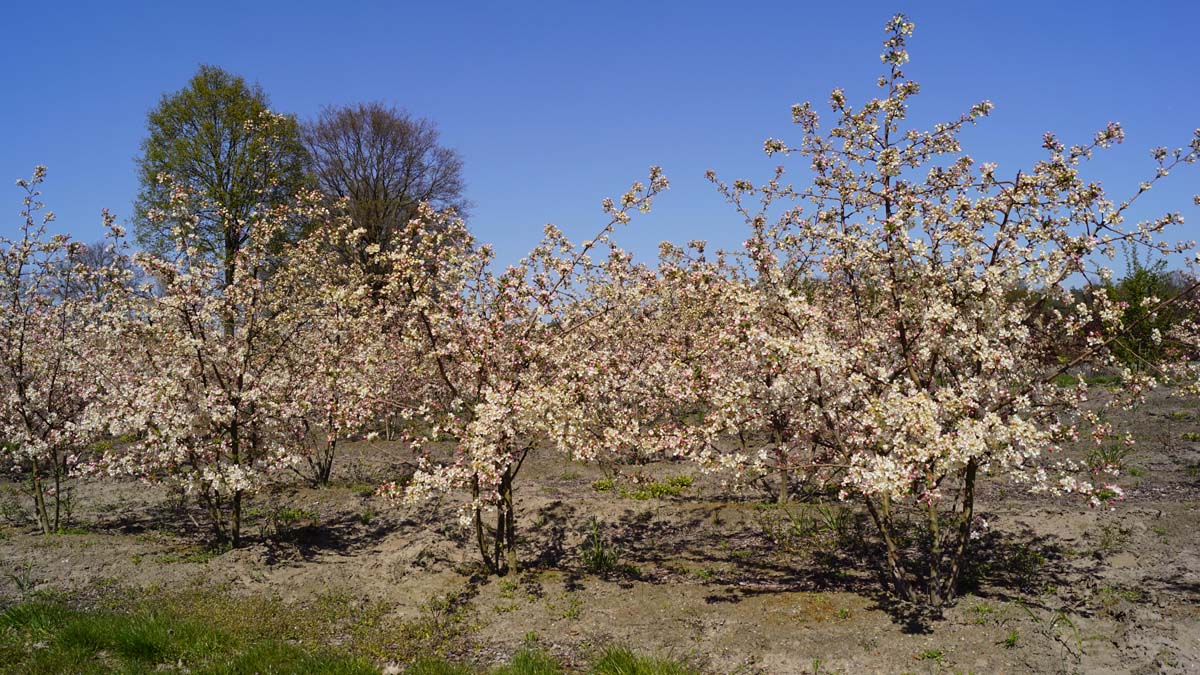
[902, 312]
[339, 348]
[894, 331]
[213, 381]
[51, 361]
[473, 352]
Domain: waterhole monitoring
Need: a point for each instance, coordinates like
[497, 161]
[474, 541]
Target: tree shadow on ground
[754, 558]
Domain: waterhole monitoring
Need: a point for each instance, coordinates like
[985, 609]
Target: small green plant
[22, 577]
[1192, 436]
[982, 612]
[673, 486]
[1109, 458]
[605, 485]
[1110, 539]
[1010, 640]
[931, 655]
[600, 556]
[571, 606]
[281, 522]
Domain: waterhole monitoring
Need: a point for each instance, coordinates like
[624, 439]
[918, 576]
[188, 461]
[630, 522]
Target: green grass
[51, 638]
[621, 661]
[210, 631]
[931, 655]
[672, 486]
[245, 625]
[533, 661]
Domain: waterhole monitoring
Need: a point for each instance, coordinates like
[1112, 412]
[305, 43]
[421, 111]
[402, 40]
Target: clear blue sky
[557, 105]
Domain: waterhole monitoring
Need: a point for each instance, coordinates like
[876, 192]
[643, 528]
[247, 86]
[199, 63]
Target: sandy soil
[722, 579]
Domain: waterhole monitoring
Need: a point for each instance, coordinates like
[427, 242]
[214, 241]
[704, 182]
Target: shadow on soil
[756, 557]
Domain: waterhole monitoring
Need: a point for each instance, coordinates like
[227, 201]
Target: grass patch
[621, 661]
[604, 485]
[210, 631]
[349, 629]
[673, 486]
[46, 637]
[533, 661]
[530, 661]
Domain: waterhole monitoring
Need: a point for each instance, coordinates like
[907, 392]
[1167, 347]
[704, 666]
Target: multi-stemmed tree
[212, 388]
[475, 349]
[52, 323]
[904, 293]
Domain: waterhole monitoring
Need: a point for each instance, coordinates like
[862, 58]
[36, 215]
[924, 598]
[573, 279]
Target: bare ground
[726, 580]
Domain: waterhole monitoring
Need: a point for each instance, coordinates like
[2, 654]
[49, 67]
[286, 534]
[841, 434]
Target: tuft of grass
[672, 486]
[931, 655]
[531, 661]
[196, 554]
[601, 556]
[621, 661]
[1110, 459]
[432, 666]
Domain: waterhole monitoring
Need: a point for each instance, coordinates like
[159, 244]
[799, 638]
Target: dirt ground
[732, 582]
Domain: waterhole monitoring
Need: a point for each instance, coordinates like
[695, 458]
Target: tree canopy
[218, 139]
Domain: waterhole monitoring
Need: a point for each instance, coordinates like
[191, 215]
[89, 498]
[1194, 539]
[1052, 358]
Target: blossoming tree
[214, 377]
[474, 348]
[906, 286]
[51, 356]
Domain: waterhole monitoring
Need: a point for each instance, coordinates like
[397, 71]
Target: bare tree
[383, 162]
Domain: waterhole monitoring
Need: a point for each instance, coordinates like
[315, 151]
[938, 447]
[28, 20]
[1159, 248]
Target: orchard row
[903, 325]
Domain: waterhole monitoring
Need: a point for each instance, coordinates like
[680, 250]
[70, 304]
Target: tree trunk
[39, 500]
[963, 536]
[235, 527]
[894, 572]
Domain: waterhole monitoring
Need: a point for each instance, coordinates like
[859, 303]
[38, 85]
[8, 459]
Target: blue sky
[557, 105]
